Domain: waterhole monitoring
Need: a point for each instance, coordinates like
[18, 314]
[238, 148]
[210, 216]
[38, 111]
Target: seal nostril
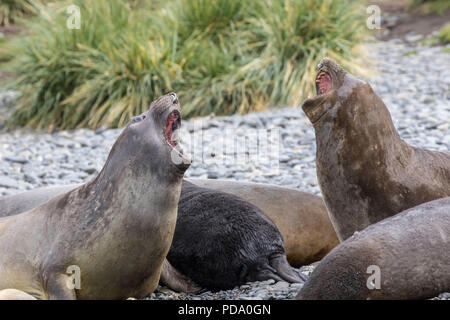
[137, 119]
[134, 119]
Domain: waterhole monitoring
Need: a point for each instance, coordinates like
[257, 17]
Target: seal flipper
[285, 271]
[277, 269]
[13, 294]
[176, 281]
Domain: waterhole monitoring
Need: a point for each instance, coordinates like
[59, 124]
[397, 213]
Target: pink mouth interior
[324, 83]
[169, 127]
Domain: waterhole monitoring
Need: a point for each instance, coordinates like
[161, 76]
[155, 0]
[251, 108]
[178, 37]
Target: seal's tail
[285, 271]
[277, 269]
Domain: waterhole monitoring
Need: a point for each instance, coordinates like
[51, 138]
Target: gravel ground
[413, 80]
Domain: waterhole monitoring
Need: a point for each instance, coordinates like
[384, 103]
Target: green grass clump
[11, 10]
[431, 6]
[221, 56]
[444, 34]
[410, 53]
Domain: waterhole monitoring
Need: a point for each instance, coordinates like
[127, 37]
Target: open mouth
[323, 82]
[172, 130]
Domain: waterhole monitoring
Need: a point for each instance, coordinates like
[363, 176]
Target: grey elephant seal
[402, 257]
[301, 217]
[365, 170]
[115, 230]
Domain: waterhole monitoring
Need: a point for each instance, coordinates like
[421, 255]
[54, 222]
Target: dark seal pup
[115, 230]
[301, 217]
[406, 256]
[365, 170]
[222, 241]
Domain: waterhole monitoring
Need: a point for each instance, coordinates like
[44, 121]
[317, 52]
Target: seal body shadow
[222, 241]
[366, 172]
[410, 251]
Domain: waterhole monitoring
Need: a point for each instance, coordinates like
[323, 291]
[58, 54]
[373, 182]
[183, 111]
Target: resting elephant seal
[222, 241]
[114, 231]
[365, 170]
[301, 217]
[409, 252]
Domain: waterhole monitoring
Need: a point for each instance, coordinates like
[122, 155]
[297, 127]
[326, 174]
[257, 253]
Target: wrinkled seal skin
[410, 248]
[117, 228]
[301, 217]
[366, 172]
[222, 241]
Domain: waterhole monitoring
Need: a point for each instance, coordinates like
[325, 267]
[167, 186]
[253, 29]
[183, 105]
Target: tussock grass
[11, 10]
[444, 34]
[221, 56]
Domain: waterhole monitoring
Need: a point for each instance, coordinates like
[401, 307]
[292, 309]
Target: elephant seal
[113, 232]
[366, 172]
[222, 241]
[301, 217]
[402, 257]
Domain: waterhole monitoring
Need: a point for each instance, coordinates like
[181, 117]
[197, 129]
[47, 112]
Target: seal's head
[333, 85]
[151, 142]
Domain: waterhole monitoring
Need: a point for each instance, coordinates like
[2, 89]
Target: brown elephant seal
[301, 217]
[366, 172]
[112, 233]
[402, 257]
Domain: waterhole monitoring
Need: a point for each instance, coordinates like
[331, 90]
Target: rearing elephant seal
[115, 230]
[365, 170]
[402, 257]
